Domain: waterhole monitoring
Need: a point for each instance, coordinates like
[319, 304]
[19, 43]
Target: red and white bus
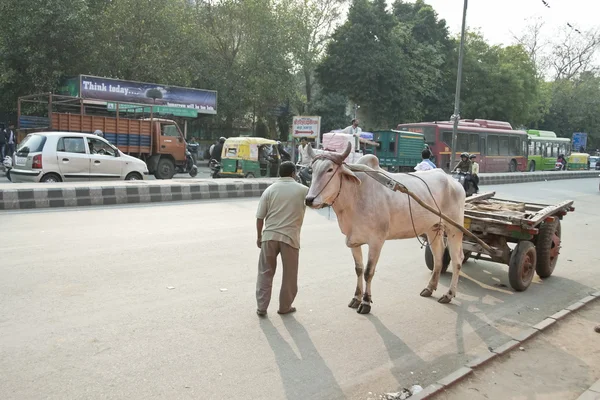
[498, 147]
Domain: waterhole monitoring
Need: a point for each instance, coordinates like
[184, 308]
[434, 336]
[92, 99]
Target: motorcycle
[7, 163]
[190, 164]
[215, 168]
[560, 166]
[461, 177]
[303, 174]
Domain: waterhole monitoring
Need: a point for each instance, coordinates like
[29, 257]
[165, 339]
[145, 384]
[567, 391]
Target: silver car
[67, 156]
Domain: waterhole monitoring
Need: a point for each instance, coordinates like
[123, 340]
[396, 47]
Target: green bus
[544, 149]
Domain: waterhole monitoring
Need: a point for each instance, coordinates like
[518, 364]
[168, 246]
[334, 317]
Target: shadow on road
[483, 282]
[304, 377]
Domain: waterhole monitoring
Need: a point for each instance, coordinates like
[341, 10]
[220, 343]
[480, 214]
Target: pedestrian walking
[278, 223]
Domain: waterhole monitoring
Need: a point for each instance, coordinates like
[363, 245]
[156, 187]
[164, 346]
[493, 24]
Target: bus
[497, 146]
[544, 149]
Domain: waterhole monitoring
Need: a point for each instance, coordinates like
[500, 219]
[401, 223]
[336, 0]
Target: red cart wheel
[548, 248]
[522, 266]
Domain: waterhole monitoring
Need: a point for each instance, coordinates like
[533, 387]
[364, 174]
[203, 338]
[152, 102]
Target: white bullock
[370, 213]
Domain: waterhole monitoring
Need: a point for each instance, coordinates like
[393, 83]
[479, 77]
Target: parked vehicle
[534, 229]
[461, 177]
[304, 174]
[156, 141]
[70, 156]
[249, 157]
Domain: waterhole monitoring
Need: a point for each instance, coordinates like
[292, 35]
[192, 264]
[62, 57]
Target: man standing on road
[278, 223]
[2, 141]
[11, 140]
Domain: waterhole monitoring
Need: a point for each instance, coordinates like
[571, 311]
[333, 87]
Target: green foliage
[398, 64]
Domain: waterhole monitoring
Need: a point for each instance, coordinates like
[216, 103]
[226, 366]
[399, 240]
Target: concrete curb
[129, 193]
[522, 177]
[518, 339]
[29, 196]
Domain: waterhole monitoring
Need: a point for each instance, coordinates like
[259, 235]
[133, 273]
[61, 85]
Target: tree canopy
[271, 59]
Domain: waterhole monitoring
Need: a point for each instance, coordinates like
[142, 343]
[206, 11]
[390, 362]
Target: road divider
[131, 192]
[39, 195]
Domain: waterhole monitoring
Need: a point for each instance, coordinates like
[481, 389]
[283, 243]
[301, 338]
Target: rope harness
[394, 185]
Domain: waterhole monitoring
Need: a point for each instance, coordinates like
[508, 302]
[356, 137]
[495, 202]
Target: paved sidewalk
[561, 362]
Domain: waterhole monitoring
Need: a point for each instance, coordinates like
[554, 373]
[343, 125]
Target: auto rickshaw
[250, 157]
[577, 161]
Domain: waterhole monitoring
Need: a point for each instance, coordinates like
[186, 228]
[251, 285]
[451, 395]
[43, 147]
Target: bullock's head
[329, 174]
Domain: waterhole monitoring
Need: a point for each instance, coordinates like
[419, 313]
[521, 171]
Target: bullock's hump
[369, 160]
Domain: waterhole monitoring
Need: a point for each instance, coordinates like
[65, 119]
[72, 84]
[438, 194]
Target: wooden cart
[534, 229]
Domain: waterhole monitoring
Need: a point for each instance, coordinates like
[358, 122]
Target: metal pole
[456, 115]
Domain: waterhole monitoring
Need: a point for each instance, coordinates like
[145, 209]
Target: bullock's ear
[350, 175]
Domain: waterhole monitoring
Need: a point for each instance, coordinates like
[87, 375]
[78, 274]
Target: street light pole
[456, 115]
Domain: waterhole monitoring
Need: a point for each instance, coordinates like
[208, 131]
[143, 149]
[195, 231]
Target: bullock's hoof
[364, 308]
[426, 293]
[354, 303]
[445, 299]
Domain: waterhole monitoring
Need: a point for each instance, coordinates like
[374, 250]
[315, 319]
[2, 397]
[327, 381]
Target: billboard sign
[176, 111]
[111, 90]
[308, 127]
[579, 141]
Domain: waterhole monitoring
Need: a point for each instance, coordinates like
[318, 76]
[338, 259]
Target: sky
[498, 18]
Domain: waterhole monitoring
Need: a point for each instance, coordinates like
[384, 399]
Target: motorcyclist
[285, 156]
[217, 150]
[561, 159]
[464, 165]
[474, 172]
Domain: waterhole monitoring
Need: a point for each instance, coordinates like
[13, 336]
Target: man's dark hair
[353, 120]
[287, 169]
[426, 154]
[304, 139]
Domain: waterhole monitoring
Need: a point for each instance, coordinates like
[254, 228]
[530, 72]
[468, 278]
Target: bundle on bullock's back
[369, 214]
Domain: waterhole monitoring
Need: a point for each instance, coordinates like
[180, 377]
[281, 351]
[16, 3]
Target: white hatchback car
[67, 156]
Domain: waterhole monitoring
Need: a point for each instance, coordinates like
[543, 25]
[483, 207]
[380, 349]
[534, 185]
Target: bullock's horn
[342, 157]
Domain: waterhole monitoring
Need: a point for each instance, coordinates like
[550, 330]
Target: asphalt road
[157, 302]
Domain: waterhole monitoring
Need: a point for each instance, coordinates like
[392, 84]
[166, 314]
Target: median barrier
[29, 196]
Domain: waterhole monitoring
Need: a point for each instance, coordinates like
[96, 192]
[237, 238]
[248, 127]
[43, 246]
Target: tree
[532, 40]
[500, 83]
[428, 30]
[312, 22]
[35, 59]
[573, 52]
[575, 107]
[374, 61]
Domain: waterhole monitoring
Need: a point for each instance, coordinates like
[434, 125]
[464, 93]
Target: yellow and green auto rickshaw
[577, 161]
[249, 157]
